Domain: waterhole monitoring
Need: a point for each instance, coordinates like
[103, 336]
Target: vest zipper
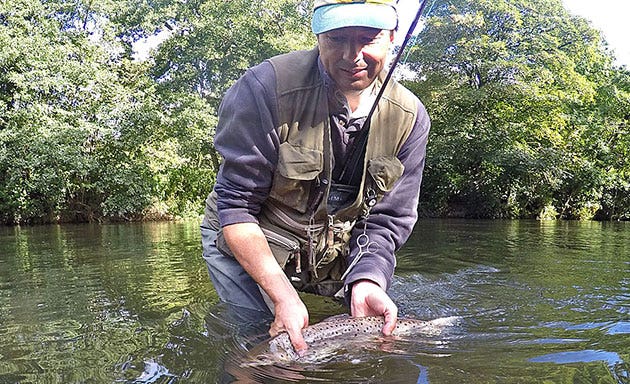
[292, 245]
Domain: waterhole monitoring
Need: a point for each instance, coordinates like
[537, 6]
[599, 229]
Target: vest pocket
[284, 245]
[297, 168]
[385, 171]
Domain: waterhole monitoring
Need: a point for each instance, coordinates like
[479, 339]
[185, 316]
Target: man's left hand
[369, 299]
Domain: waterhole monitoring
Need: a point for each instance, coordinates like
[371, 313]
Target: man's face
[354, 56]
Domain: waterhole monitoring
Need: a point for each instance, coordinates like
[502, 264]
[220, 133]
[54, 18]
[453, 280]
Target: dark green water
[539, 302]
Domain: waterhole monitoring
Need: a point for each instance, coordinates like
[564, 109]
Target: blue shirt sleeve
[247, 140]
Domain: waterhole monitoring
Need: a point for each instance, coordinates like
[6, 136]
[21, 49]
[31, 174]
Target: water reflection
[618, 369]
[133, 303]
[76, 301]
[383, 368]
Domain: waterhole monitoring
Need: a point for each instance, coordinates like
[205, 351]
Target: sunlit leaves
[519, 93]
[87, 133]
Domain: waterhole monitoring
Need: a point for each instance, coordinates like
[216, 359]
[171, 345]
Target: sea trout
[341, 332]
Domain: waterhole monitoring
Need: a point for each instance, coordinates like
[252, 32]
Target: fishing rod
[354, 165]
[408, 36]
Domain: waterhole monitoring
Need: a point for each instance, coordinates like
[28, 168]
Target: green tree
[609, 144]
[211, 44]
[509, 86]
[88, 133]
[65, 151]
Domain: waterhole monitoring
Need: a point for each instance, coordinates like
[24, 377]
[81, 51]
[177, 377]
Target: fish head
[281, 348]
[272, 351]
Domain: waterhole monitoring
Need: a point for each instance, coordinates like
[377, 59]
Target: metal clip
[370, 198]
[298, 262]
[311, 243]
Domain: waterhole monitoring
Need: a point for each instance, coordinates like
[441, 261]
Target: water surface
[539, 302]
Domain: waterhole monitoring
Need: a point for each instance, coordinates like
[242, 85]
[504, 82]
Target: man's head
[354, 38]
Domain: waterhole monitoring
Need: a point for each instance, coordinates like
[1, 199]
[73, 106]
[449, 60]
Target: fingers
[275, 329]
[390, 311]
[390, 321]
[297, 340]
[295, 335]
[369, 299]
[292, 318]
[358, 309]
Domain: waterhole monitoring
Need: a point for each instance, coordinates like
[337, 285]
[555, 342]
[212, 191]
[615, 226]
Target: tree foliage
[88, 133]
[530, 115]
[528, 112]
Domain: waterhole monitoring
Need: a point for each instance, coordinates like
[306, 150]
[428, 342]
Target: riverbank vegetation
[530, 112]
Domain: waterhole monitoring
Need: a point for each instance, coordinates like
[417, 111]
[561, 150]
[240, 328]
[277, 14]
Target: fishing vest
[308, 242]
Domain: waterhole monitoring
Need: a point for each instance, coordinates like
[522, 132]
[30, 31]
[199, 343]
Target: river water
[537, 302]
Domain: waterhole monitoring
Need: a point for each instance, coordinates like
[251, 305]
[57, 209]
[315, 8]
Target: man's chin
[357, 86]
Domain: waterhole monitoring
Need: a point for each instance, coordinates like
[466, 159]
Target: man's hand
[369, 299]
[291, 317]
[250, 247]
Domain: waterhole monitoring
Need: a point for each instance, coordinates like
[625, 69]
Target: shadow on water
[538, 301]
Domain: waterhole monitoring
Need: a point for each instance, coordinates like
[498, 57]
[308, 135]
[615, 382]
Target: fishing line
[408, 36]
[415, 37]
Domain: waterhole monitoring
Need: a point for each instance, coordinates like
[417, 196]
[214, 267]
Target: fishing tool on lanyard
[358, 153]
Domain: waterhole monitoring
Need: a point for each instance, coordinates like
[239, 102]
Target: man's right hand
[292, 318]
[250, 247]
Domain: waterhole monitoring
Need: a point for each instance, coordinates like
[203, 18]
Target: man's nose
[353, 52]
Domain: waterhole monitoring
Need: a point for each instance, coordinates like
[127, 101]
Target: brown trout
[340, 332]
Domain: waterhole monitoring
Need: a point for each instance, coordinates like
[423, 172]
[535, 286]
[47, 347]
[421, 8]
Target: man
[299, 203]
